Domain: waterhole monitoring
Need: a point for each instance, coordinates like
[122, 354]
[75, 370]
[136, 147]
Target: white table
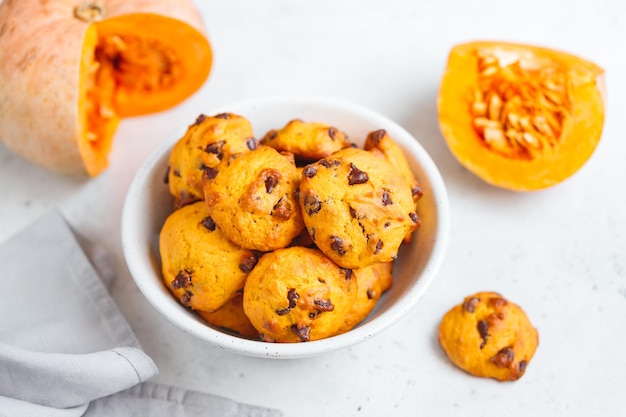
[559, 253]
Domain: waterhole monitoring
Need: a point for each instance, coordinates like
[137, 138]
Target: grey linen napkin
[65, 348]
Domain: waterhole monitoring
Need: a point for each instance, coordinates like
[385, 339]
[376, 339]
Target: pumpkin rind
[45, 57]
[576, 142]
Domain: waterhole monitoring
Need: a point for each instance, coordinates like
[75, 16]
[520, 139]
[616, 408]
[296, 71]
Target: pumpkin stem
[89, 11]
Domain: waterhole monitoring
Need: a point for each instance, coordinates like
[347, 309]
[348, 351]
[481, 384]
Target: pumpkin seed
[520, 106]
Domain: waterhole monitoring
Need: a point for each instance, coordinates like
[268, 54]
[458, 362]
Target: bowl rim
[223, 340]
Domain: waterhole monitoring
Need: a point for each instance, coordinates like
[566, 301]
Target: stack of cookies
[289, 238]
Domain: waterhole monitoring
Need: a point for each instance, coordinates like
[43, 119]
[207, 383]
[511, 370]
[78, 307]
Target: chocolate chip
[470, 305]
[376, 136]
[182, 280]
[252, 143]
[222, 116]
[379, 246]
[483, 330]
[370, 294]
[327, 163]
[177, 173]
[310, 171]
[415, 218]
[312, 204]
[216, 149]
[292, 296]
[521, 367]
[356, 176]
[248, 262]
[504, 357]
[209, 223]
[353, 213]
[282, 311]
[199, 119]
[332, 132]
[186, 198]
[387, 224]
[166, 177]
[270, 182]
[336, 244]
[312, 315]
[209, 172]
[386, 198]
[186, 298]
[324, 305]
[417, 192]
[301, 332]
[348, 273]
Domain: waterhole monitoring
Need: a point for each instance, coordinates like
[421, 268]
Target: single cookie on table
[206, 142]
[231, 317]
[307, 141]
[489, 336]
[357, 207]
[297, 294]
[372, 281]
[252, 197]
[200, 266]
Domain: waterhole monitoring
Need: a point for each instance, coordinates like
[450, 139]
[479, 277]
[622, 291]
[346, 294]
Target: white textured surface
[559, 253]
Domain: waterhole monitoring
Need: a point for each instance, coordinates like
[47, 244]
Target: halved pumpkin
[520, 117]
[70, 69]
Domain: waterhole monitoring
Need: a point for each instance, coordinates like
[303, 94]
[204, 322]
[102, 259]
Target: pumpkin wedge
[520, 117]
[71, 69]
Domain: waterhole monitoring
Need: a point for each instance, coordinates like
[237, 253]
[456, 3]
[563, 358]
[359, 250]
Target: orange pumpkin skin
[524, 143]
[61, 96]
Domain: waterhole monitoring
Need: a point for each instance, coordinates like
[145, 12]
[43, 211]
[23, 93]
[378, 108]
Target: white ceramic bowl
[148, 203]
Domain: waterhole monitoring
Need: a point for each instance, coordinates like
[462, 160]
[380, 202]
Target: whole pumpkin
[70, 69]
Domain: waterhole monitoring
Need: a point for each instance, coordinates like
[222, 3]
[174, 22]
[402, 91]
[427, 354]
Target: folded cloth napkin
[65, 348]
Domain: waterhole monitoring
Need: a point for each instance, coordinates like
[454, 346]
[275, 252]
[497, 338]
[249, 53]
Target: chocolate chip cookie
[489, 336]
[308, 141]
[200, 266]
[297, 294]
[252, 197]
[205, 143]
[357, 207]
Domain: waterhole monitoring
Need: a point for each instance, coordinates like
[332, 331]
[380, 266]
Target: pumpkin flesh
[520, 117]
[136, 57]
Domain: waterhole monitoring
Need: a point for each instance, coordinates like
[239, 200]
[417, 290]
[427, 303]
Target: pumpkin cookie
[252, 197]
[231, 317]
[372, 281]
[200, 266]
[357, 207]
[297, 294]
[307, 141]
[206, 142]
[489, 336]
